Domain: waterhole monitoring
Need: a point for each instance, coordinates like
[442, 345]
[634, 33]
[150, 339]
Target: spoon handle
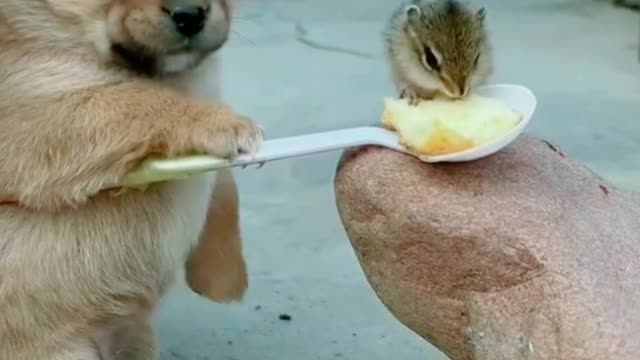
[156, 170]
[301, 145]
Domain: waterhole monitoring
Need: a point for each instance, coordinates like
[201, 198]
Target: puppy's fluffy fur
[88, 89]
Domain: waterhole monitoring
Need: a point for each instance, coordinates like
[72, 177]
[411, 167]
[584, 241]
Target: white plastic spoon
[517, 97]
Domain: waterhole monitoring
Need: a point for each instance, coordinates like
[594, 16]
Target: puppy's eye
[430, 59]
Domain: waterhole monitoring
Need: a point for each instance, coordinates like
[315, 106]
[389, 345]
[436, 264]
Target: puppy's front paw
[237, 136]
[249, 135]
[220, 133]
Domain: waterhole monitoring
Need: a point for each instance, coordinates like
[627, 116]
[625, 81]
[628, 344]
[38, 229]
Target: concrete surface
[581, 59]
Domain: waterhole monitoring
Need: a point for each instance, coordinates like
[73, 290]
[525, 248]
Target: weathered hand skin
[522, 255]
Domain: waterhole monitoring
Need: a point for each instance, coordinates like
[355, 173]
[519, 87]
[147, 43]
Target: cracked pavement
[301, 66]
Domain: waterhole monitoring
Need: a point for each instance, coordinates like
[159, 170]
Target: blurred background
[300, 66]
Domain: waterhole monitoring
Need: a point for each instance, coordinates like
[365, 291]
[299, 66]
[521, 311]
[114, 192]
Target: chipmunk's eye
[430, 59]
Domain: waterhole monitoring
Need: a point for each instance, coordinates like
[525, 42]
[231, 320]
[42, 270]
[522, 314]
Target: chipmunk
[437, 47]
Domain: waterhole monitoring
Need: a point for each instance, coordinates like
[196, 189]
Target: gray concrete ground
[578, 56]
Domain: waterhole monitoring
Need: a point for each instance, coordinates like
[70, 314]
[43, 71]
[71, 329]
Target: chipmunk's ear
[413, 14]
[481, 15]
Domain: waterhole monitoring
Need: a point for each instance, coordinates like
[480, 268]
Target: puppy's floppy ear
[76, 8]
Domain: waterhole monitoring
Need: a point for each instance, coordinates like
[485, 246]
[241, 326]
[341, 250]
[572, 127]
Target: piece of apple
[443, 126]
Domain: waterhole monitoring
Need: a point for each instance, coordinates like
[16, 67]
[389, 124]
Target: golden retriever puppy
[88, 89]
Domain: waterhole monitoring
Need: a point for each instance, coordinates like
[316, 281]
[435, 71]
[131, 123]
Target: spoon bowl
[520, 99]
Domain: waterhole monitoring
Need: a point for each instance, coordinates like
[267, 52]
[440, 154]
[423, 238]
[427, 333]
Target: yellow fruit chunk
[443, 126]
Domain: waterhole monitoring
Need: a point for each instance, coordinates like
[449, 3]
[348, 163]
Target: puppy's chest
[151, 232]
[187, 207]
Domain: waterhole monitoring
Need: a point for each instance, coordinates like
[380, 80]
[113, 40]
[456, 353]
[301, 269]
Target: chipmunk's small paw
[411, 96]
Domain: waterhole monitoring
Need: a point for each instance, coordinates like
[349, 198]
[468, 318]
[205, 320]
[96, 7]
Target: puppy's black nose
[189, 19]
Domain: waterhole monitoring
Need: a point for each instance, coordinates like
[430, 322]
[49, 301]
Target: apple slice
[443, 126]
